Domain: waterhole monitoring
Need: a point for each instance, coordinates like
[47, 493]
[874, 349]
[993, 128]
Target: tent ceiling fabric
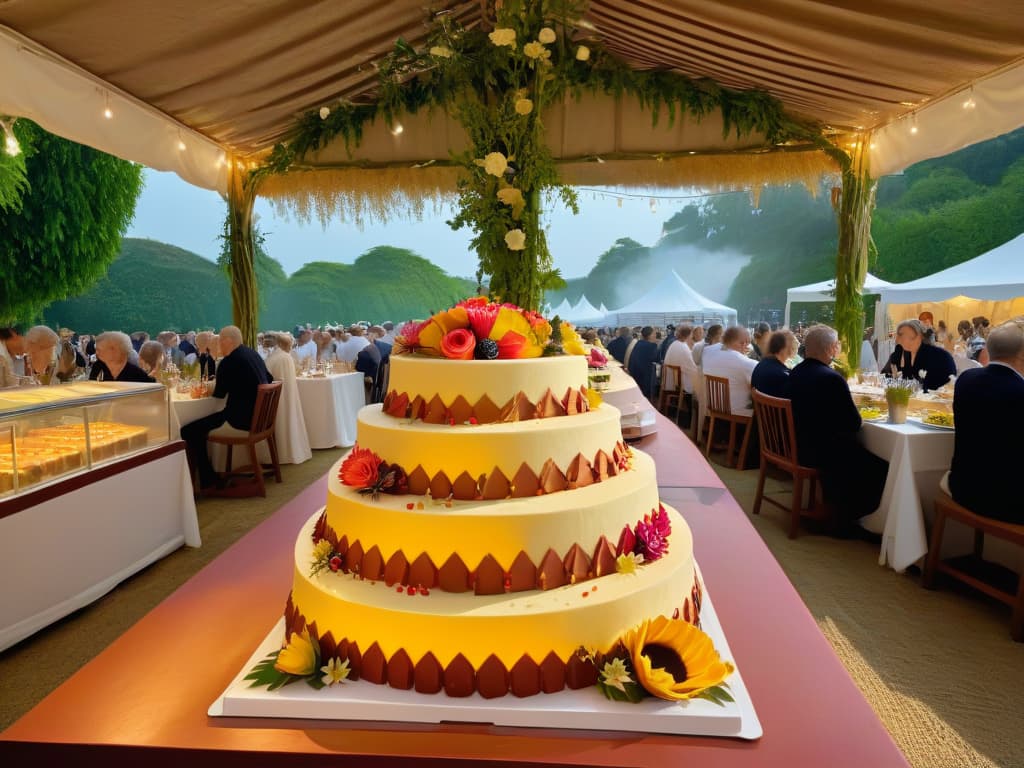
[239, 72]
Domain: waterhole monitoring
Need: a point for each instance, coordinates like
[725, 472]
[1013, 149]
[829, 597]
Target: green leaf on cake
[266, 674]
[630, 692]
[719, 695]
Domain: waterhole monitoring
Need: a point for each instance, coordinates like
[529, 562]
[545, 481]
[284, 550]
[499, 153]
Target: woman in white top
[290, 425]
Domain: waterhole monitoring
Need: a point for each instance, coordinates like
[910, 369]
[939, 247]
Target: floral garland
[486, 330]
[497, 83]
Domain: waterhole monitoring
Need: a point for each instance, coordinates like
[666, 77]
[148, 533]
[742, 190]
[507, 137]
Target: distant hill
[152, 286]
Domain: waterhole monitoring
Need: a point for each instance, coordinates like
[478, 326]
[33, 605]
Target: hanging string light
[107, 111]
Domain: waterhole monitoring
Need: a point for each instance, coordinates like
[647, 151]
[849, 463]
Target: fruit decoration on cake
[492, 534]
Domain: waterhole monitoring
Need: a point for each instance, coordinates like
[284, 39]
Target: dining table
[919, 455]
[330, 405]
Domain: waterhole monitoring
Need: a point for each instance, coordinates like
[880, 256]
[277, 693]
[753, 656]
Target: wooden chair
[268, 396]
[778, 448]
[380, 382]
[718, 408]
[970, 569]
[668, 397]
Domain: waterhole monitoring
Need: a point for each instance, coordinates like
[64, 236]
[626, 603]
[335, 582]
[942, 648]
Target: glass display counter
[49, 434]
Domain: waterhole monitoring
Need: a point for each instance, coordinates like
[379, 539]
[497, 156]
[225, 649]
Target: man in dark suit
[240, 372]
[827, 423]
[368, 363]
[617, 347]
[670, 337]
[988, 410]
[642, 359]
[771, 376]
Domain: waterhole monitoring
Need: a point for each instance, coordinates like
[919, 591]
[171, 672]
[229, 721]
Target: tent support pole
[242, 267]
[855, 204]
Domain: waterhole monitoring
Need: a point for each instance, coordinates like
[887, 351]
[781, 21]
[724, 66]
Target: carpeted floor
[939, 668]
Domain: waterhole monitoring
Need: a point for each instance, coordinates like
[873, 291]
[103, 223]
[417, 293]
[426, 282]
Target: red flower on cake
[652, 535]
[360, 469]
[458, 344]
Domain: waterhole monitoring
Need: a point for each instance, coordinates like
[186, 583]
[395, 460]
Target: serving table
[124, 709]
[330, 405]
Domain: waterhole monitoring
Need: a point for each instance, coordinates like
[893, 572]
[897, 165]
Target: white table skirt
[918, 457]
[330, 405]
[69, 551]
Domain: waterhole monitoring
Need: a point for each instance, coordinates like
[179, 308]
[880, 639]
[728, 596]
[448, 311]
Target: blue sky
[172, 211]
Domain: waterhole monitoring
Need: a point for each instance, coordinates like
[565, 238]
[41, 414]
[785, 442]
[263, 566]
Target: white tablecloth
[330, 405]
[638, 415]
[186, 410]
[918, 457]
[66, 552]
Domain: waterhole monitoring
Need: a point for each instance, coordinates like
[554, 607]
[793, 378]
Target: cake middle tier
[476, 450]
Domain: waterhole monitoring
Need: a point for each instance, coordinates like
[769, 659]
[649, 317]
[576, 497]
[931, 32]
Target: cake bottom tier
[523, 642]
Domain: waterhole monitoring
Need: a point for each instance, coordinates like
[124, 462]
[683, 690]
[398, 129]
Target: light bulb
[181, 145]
[397, 129]
[913, 129]
[969, 104]
[107, 113]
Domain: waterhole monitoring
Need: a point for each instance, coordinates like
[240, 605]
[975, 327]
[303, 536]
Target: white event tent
[585, 313]
[991, 284]
[825, 291]
[671, 300]
[563, 310]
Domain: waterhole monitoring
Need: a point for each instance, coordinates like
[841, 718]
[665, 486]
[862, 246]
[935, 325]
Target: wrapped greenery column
[242, 264]
[856, 202]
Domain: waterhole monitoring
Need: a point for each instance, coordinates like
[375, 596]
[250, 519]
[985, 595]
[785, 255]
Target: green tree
[68, 228]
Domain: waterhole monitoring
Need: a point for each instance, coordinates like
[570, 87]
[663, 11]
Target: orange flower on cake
[298, 657]
[514, 334]
[360, 469]
[458, 344]
[439, 326]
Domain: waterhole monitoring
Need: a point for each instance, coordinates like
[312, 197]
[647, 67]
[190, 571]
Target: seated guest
[376, 335]
[760, 340]
[712, 338]
[670, 339]
[679, 353]
[172, 354]
[771, 375]
[207, 354]
[827, 423]
[305, 350]
[368, 363]
[112, 351]
[617, 346]
[41, 356]
[187, 344]
[348, 349]
[290, 425]
[988, 409]
[918, 361]
[12, 347]
[151, 358]
[732, 363]
[240, 372]
[641, 359]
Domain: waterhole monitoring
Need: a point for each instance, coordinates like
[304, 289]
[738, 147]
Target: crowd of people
[986, 364]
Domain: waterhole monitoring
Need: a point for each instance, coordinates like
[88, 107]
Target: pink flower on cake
[597, 358]
[458, 344]
[652, 535]
[360, 469]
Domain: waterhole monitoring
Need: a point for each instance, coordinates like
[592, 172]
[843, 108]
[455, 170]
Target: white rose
[324, 112]
[441, 52]
[495, 164]
[546, 35]
[515, 239]
[582, 53]
[524, 106]
[503, 36]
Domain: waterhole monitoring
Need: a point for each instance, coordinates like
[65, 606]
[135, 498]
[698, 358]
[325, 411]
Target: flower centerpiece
[480, 329]
[897, 394]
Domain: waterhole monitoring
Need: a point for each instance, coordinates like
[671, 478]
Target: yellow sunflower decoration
[674, 660]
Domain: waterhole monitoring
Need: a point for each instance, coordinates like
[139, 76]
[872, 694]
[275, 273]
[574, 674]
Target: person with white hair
[239, 374]
[290, 426]
[827, 425]
[988, 408]
[113, 349]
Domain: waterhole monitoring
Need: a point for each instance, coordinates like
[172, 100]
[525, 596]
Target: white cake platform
[585, 709]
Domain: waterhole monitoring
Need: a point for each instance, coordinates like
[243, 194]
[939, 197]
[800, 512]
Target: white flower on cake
[495, 164]
[546, 35]
[503, 36]
[336, 671]
[515, 239]
[616, 675]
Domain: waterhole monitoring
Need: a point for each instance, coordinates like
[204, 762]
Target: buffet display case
[48, 434]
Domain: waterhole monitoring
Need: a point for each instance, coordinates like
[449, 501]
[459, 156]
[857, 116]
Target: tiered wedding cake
[491, 532]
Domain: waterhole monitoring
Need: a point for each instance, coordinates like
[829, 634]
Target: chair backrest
[264, 414]
[776, 428]
[671, 383]
[380, 382]
[717, 388]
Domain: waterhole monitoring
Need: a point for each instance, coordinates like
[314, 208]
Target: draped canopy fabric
[231, 76]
